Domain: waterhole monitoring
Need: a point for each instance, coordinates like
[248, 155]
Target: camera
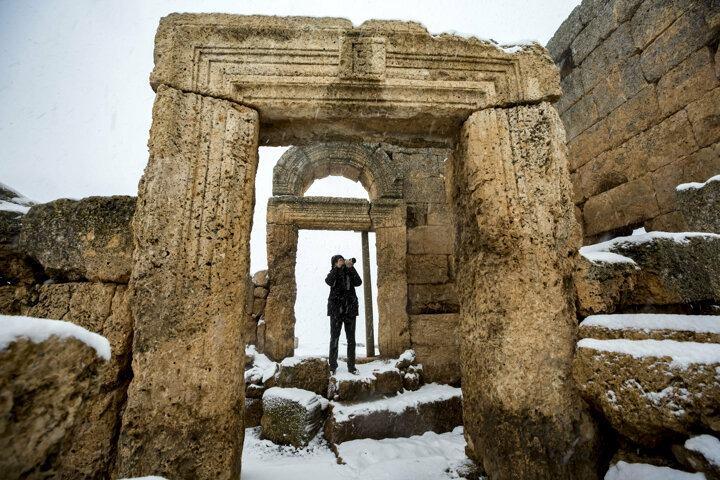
[353, 260]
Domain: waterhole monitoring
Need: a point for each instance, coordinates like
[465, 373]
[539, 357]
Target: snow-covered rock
[655, 268]
[700, 453]
[307, 373]
[433, 407]
[651, 390]
[699, 204]
[643, 326]
[292, 416]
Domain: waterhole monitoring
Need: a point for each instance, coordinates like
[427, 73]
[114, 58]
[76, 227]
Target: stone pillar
[280, 307]
[367, 292]
[516, 242]
[184, 413]
[391, 244]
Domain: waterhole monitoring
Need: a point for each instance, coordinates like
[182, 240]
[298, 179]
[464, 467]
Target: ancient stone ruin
[488, 168]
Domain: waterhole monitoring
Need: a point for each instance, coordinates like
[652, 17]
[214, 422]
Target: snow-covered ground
[430, 456]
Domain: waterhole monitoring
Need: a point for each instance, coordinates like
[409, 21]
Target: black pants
[336, 323]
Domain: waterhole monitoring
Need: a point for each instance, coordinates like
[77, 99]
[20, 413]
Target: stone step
[375, 379]
[433, 407]
[644, 326]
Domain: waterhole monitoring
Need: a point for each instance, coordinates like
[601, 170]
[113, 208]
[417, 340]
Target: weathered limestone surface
[47, 390]
[649, 399]
[436, 341]
[666, 272]
[640, 105]
[102, 308]
[280, 306]
[184, 413]
[308, 374]
[384, 80]
[17, 270]
[700, 206]
[292, 416]
[81, 239]
[516, 238]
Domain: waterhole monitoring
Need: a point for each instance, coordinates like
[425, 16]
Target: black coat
[342, 299]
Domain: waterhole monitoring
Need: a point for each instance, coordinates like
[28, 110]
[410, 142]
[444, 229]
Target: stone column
[388, 219]
[516, 242]
[367, 292]
[280, 307]
[184, 413]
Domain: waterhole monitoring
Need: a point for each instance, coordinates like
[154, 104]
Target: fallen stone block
[700, 453]
[699, 204]
[310, 373]
[651, 390]
[655, 268]
[291, 416]
[253, 412]
[650, 326]
[433, 407]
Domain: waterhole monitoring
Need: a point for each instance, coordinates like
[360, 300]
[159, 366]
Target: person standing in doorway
[342, 307]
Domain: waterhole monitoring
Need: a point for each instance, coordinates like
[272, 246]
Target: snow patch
[262, 370]
[694, 185]
[6, 206]
[682, 354]
[706, 445]
[406, 400]
[655, 321]
[13, 328]
[366, 371]
[642, 471]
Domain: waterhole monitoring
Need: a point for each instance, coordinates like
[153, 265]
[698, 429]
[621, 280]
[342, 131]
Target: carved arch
[299, 167]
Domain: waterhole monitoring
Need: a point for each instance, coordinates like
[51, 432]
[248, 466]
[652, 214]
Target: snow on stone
[151, 477]
[13, 207]
[706, 445]
[430, 456]
[366, 371]
[421, 456]
[399, 403]
[682, 354]
[305, 398]
[603, 252]
[693, 185]
[655, 321]
[13, 328]
[263, 368]
[408, 356]
[642, 471]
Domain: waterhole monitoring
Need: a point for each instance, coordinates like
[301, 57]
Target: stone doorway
[226, 84]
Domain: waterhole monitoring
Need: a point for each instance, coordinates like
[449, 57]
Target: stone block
[651, 18]
[704, 115]
[253, 412]
[260, 292]
[424, 188]
[573, 89]
[427, 269]
[632, 117]
[699, 454]
[667, 222]
[291, 416]
[375, 379]
[627, 204]
[431, 239]
[684, 36]
[580, 116]
[260, 278]
[588, 145]
[687, 82]
[81, 239]
[650, 391]
[433, 407]
[439, 214]
[309, 373]
[429, 298]
[612, 52]
[699, 205]
[52, 394]
[696, 167]
[565, 34]
[598, 29]
[652, 326]
[602, 287]
[436, 342]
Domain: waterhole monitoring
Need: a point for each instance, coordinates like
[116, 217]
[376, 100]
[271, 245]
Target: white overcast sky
[75, 103]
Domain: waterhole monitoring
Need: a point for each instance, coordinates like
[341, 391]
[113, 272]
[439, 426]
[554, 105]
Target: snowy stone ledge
[14, 328]
[262, 370]
[682, 354]
[642, 471]
[695, 185]
[607, 252]
[655, 321]
[707, 446]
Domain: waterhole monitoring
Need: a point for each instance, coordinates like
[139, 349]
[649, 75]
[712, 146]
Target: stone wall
[640, 107]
